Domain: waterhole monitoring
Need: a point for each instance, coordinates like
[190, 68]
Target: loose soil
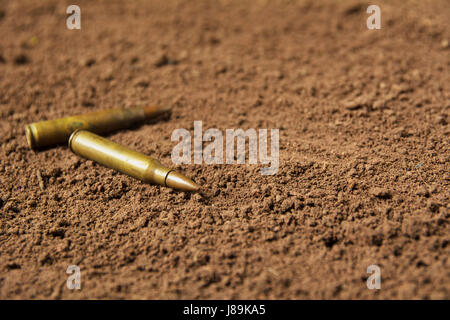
[364, 150]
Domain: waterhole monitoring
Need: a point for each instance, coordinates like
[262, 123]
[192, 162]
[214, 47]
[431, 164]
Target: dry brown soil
[364, 150]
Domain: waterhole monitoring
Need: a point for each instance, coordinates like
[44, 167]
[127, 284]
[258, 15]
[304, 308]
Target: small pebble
[21, 59]
[381, 193]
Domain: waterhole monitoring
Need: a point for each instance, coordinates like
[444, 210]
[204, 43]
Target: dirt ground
[364, 150]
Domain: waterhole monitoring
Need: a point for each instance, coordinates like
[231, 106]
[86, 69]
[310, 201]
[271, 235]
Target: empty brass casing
[115, 156]
[51, 132]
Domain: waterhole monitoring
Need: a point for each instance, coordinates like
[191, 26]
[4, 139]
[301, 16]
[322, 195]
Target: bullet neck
[157, 173]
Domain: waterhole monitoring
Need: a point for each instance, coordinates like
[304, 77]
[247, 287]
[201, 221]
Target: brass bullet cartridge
[51, 132]
[115, 156]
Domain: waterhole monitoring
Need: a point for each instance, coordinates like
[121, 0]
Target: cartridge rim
[30, 135]
[72, 136]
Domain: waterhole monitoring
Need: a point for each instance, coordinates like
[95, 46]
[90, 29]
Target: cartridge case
[52, 132]
[115, 156]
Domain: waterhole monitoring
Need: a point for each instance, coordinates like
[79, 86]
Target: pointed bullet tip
[153, 111]
[166, 108]
[180, 182]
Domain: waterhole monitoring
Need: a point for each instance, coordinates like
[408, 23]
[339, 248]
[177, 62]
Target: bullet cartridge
[52, 132]
[115, 156]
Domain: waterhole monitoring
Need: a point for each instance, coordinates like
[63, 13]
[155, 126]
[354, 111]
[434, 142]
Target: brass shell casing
[52, 132]
[115, 156]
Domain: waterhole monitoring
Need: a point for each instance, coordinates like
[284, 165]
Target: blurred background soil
[364, 150]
